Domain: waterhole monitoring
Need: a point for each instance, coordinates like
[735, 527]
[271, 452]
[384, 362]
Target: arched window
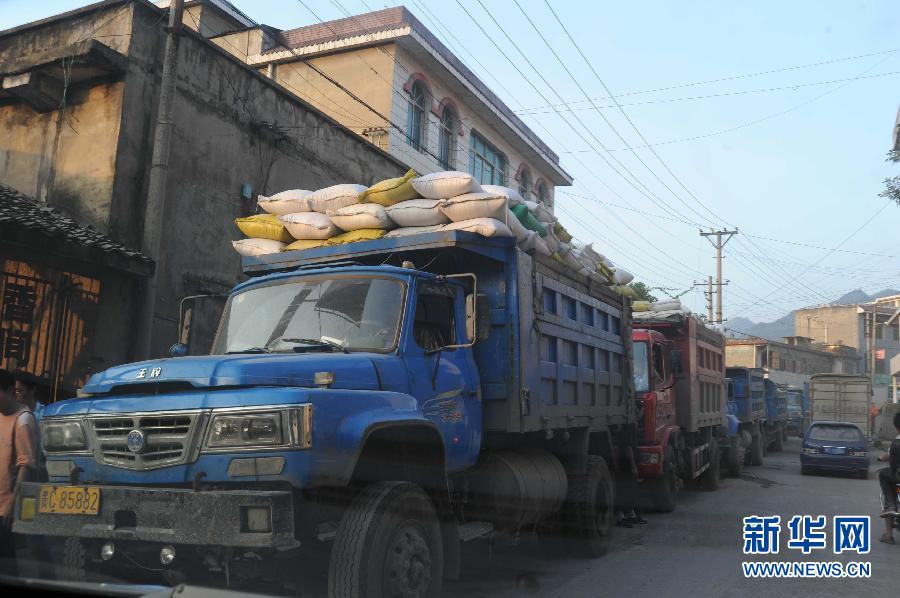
[524, 183]
[415, 124]
[447, 138]
[542, 195]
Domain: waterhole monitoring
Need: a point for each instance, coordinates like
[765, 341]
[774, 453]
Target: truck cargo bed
[559, 352]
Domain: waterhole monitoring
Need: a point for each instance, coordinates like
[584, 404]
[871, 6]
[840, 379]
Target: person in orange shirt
[18, 461]
[873, 413]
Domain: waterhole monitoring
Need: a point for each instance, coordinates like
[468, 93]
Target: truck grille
[169, 439]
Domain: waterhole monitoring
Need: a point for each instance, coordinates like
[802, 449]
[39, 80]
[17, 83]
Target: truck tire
[388, 543]
[756, 447]
[736, 456]
[764, 436]
[665, 491]
[709, 480]
[588, 511]
[784, 434]
[778, 442]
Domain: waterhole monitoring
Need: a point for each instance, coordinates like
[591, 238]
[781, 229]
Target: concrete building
[78, 112]
[791, 362]
[861, 326]
[388, 78]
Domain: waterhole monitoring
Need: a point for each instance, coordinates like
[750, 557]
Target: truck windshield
[641, 367]
[359, 313]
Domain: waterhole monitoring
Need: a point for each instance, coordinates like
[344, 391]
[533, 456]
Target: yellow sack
[606, 272]
[640, 306]
[625, 291]
[363, 234]
[555, 255]
[306, 244]
[264, 226]
[561, 233]
[391, 191]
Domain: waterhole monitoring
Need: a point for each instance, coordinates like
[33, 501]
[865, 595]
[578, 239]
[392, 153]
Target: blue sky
[801, 163]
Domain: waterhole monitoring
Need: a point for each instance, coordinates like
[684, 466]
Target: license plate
[835, 450]
[69, 500]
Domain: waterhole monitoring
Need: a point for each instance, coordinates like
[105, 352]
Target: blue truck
[749, 406]
[384, 401]
[776, 421]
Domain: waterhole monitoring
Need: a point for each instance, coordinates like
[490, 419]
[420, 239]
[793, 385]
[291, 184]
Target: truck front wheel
[387, 544]
[735, 456]
[756, 447]
[665, 493]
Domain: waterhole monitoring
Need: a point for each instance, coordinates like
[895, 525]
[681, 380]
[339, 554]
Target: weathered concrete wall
[66, 157]
[741, 356]
[830, 325]
[233, 127]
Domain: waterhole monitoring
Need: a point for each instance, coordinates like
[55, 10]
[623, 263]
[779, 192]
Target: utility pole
[709, 299]
[719, 244]
[157, 187]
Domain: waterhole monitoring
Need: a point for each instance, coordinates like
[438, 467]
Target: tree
[892, 184]
[643, 291]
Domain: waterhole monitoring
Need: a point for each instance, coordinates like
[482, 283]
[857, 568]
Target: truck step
[474, 530]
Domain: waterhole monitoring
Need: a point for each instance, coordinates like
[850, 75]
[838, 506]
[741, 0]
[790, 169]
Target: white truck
[840, 398]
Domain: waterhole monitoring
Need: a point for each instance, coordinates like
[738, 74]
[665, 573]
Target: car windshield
[359, 313]
[829, 433]
[641, 367]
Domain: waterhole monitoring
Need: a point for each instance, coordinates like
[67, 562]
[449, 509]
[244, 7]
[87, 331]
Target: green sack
[528, 220]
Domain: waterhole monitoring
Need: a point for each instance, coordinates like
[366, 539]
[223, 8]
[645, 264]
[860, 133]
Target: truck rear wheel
[756, 447]
[710, 478]
[778, 442]
[665, 494]
[587, 514]
[387, 544]
[735, 456]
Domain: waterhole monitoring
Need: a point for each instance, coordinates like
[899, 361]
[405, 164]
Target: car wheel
[805, 470]
[863, 474]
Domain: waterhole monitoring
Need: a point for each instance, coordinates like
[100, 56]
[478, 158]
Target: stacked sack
[412, 204]
[655, 309]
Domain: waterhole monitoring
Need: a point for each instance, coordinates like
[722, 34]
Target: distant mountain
[784, 326]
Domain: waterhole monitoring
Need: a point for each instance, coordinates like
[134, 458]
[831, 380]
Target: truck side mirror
[178, 350]
[471, 313]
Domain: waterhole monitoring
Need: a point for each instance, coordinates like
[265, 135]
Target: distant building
[791, 362]
[862, 326]
[384, 75]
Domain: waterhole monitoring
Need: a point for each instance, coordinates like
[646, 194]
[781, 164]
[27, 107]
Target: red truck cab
[654, 392]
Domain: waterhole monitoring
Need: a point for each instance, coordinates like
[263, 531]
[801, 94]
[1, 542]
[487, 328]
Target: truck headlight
[245, 429]
[289, 427]
[62, 436]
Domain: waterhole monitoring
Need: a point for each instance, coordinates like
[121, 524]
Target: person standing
[18, 461]
[888, 478]
[26, 393]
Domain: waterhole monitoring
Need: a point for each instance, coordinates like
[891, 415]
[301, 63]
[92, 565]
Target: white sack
[285, 202]
[442, 185]
[622, 276]
[335, 197]
[417, 212]
[668, 305]
[509, 193]
[254, 247]
[486, 227]
[361, 215]
[517, 228]
[540, 246]
[553, 243]
[475, 205]
[309, 225]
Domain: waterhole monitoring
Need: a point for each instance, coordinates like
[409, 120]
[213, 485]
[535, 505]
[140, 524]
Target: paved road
[696, 551]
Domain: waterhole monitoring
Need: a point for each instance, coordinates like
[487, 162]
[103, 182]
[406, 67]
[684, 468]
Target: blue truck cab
[750, 408]
[447, 379]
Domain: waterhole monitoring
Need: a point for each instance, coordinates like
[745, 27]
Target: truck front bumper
[247, 518]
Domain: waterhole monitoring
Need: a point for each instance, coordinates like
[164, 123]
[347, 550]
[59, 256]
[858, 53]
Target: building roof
[399, 24]
[22, 218]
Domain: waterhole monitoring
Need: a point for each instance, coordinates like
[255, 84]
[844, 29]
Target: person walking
[18, 462]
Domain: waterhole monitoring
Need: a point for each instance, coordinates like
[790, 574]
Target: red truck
[679, 387]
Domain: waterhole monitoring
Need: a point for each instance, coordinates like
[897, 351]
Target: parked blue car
[834, 446]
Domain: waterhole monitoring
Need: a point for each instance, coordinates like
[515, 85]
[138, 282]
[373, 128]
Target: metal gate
[47, 320]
